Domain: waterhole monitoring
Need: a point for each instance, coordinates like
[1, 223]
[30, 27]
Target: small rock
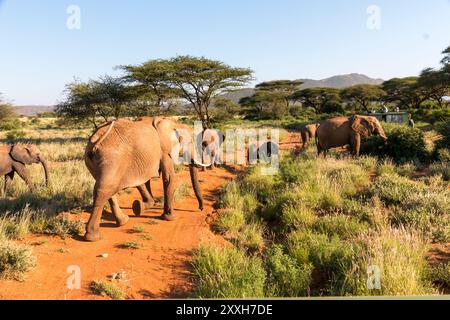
[105, 255]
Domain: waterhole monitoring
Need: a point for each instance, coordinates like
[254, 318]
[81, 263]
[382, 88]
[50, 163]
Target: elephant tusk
[201, 164]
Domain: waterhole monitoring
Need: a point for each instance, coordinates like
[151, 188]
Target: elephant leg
[23, 173]
[121, 218]
[146, 195]
[168, 177]
[355, 144]
[93, 225]
[8, 179]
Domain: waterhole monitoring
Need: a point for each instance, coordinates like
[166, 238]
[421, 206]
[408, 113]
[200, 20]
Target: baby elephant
[13, 160]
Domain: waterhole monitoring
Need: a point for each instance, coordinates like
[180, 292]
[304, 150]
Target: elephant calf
[308, 132]
[13, 160]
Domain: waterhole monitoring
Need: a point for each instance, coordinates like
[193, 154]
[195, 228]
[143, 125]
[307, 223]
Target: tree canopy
[363, 95]
[196, 80]
[322, 100]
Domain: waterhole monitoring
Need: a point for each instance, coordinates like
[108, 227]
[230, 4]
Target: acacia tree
[152, 76]
[434, 82]
[106, 98]
[405, 91]
[264, 105]
[322, 100]
[363, 95]
[283, 89]
[197, 80]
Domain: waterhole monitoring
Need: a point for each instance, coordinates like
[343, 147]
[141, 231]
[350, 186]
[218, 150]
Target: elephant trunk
[195, 185]
[44, 165]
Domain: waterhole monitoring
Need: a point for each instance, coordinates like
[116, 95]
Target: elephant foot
[168, 217]
[138, 207]
[123, 220]
[93, 236]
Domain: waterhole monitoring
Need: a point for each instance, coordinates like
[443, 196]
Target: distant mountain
[340, 82]
[33, 110]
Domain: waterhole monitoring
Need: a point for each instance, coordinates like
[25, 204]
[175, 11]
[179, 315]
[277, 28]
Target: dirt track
[158, 270]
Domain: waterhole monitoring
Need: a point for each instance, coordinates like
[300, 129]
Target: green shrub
[399, 257]
[404, 144]
[59, 226]
[230, 220]
[15, 260]
[442, 154]
[340, 225]
[393, 189]
[107, 289]
[439, 275]
[250, 237]
[298, 216]
[287, 278]
[444, 129]
[330, 255]
[14, 135]
[442, 169]
[227, 273]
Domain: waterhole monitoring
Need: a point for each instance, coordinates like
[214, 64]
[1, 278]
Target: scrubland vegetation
[316, 227]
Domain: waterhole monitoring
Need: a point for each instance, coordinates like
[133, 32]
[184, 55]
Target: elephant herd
[125, 154]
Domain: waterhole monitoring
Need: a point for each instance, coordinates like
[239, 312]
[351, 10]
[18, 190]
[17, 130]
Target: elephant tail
[103, 137]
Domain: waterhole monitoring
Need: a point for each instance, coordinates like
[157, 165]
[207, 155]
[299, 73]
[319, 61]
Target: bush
[393, 189]
[107, 289]
[442, 169]
[444, 129]
[399, 257]
[15, 260]
[250, 237]
[287, 278]
[340, 225]
[14, 135]
[227, 273]
[439, 275]
[231, 220]
[404, 144]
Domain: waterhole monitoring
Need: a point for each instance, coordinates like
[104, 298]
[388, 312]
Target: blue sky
[279, 39]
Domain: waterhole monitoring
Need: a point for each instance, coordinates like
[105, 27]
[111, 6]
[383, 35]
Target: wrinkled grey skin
[13, 159]
[212, 141]
[342, 131]
[124, 154]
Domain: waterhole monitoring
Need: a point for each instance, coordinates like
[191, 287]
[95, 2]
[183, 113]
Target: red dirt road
[158, 270]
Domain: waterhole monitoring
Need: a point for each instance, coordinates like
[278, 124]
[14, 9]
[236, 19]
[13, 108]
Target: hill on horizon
[340, 82]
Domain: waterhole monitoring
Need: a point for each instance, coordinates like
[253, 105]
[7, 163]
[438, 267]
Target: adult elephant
[342, 131]
[14, 158]
[123, 154]
[308, 132]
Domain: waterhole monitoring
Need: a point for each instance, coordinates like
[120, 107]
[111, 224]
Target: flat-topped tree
[152, 76]
[363, 95]
[405, 92]
[436, 84]
[196, 80]
[284, 89]
[322, 100]
[200, 80]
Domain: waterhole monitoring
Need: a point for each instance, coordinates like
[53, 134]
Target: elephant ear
[21, 154]
[361, 126]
